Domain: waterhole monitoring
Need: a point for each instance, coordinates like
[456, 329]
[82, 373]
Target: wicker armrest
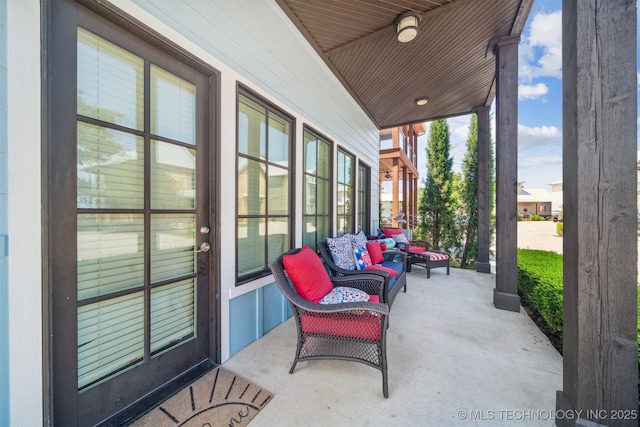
[371, 282]
[422, 243]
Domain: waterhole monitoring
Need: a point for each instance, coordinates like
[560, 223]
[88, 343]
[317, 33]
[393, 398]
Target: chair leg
[428, 272]
[293, 365]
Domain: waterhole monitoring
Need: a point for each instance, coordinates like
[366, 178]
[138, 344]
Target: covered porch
[453, 359]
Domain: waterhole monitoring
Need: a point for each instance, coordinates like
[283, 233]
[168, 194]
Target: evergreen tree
[469, 193]
[437, 207]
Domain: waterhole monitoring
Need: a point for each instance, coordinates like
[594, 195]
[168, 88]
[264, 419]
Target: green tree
[469, 193]
[437, 206]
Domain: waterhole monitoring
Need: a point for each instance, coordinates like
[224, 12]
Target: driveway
[539, 235]
[542, 235]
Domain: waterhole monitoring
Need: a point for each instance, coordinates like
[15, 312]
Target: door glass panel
[172, 315]
[173, 176]
[251, 245]
[110, 82]
[278, 140]
[172, 246]
[278, 190]
[110, 337]
[173, 106]
[110, 253]
[252, 186]
[110, 172]
[252, 136]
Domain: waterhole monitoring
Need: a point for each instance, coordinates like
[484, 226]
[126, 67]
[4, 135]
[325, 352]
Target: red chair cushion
[417, 249]
[389, 232]
[375, 252]
[307, 274]
[435, 256]
[364, 325]
[391, 271]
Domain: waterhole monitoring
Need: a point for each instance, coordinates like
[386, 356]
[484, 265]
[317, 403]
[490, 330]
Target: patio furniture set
[341, 306]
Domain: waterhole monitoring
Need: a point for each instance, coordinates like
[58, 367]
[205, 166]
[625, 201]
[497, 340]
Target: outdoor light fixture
[387, 175]
[422, 101]
[407, 26]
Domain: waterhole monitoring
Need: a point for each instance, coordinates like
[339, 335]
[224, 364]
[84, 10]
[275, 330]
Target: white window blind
[113, 248]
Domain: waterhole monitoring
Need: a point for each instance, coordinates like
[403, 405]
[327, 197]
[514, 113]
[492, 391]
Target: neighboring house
[533, 201]
[556, 196]
[398, 174]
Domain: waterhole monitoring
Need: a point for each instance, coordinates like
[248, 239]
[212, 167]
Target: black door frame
[59, 18]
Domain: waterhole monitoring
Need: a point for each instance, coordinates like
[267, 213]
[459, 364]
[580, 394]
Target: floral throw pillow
[359, 241]
[344, 294]
[342, 252]
[400, 238]
[363, 260]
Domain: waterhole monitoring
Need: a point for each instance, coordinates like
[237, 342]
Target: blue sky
[539, 102]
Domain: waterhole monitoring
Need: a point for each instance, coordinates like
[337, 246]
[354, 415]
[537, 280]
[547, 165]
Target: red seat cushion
[435, 256]
[374, 298]
[375, 252]
[417, 249]
[307, 274]
[389, 232]
[391, 271]
[364, 325]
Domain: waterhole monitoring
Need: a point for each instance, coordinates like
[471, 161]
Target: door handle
[204, 247]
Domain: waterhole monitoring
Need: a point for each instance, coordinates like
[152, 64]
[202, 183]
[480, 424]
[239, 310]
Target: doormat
[220, 398]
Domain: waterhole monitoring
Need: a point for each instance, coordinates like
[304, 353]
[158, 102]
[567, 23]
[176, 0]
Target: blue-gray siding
[254, 314]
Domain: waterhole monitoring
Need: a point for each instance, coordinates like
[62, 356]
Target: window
[364, 201]
[317, 189]
[345, 192]
[264, 192]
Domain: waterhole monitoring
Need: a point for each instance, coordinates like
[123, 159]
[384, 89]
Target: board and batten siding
[4, 282]
[255, 44]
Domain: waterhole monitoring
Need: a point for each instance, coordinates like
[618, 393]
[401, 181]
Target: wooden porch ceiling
[450, 62]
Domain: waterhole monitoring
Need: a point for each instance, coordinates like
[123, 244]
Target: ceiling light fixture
[422, 101]
[387, 175]
[407, 26]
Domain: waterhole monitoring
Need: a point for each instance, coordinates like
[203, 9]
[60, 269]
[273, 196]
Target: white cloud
[532, 91]
[536, 162]
[531, 137]
[541, 49]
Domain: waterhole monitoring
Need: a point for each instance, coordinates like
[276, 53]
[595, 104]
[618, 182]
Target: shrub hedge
[537, 218]
[540, 283]
[559, 228]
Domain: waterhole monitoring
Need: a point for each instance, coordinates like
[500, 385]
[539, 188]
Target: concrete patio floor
[453, 360]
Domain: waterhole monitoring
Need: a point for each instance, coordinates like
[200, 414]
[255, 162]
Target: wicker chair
[353, 331]
[391, 287]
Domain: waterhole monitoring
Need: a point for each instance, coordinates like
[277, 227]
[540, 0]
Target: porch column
[599, 81]
[505, 295]
[404, 199]
[484, 238]
[395, 207]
